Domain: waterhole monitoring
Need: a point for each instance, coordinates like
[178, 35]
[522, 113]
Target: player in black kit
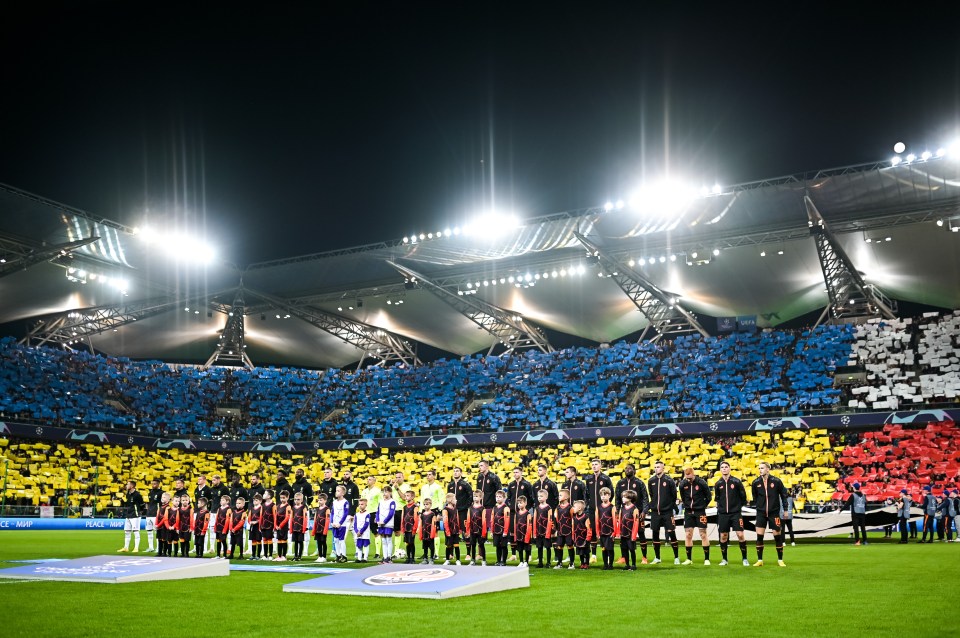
[731, 496]
[663, 503]
[770, 498]
[695, 495]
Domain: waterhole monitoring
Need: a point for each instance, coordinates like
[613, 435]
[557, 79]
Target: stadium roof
[745, 250]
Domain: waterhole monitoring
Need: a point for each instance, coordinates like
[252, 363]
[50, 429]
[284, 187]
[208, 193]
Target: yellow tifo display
[51, 473]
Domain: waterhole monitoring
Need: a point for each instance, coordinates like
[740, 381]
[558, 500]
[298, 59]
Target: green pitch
[828, 589]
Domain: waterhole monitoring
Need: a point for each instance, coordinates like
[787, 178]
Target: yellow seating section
[38, 470]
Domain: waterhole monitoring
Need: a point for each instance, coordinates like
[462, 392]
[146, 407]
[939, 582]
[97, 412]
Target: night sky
[301, 129]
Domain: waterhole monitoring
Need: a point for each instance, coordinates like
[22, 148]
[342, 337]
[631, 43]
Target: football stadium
[732, 403]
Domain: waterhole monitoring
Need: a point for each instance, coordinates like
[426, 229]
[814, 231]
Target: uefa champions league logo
[133, 562]
[409, 577]
[845, 420]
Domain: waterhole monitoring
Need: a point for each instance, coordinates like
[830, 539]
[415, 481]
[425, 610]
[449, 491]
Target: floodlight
[911, 157]
[492, 224]
[899, 147]
[716, 252]
[717, 189]
[673, 257]
[620, 204]
[941, 152]
[666, 197]
[926, 155]
[939, 222]
[763, 253]
[608, 206]
[895, 160]
[631, 263]
[662, 259]
[581, 269]
[406, 240]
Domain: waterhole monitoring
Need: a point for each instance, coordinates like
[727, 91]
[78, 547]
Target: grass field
[828, 589]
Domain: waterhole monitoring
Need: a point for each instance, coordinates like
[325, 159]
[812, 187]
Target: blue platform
[416, 581]
[120, 569]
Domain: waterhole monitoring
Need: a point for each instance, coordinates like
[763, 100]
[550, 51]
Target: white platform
[416, 581]
[120, 569]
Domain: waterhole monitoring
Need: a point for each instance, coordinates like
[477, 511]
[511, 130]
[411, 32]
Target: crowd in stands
[907, 362]
[901, 457]
[742, 375]
[79, 474]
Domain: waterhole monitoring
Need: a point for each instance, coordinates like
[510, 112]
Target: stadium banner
[583, 432]
[16, 522]
[814, 525]
[726, 324]
[747, 323]
[806, 525]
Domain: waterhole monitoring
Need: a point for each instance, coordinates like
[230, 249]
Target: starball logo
[409, 577]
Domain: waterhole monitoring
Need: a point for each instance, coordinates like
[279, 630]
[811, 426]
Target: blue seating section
[743, 374]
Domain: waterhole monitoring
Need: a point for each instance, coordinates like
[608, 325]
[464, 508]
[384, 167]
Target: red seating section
[902, 456]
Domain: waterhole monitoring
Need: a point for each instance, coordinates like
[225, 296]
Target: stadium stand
[907, 362]
[87, 474]
[769, 372]
[894, 458]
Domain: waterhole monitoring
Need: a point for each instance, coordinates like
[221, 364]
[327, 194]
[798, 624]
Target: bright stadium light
[608, 206]
[911, 158]
[926, 155]
[664, 198]
[620, 204]
[717, 189]
[895, 160]
[899, 147]
[491, 225]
